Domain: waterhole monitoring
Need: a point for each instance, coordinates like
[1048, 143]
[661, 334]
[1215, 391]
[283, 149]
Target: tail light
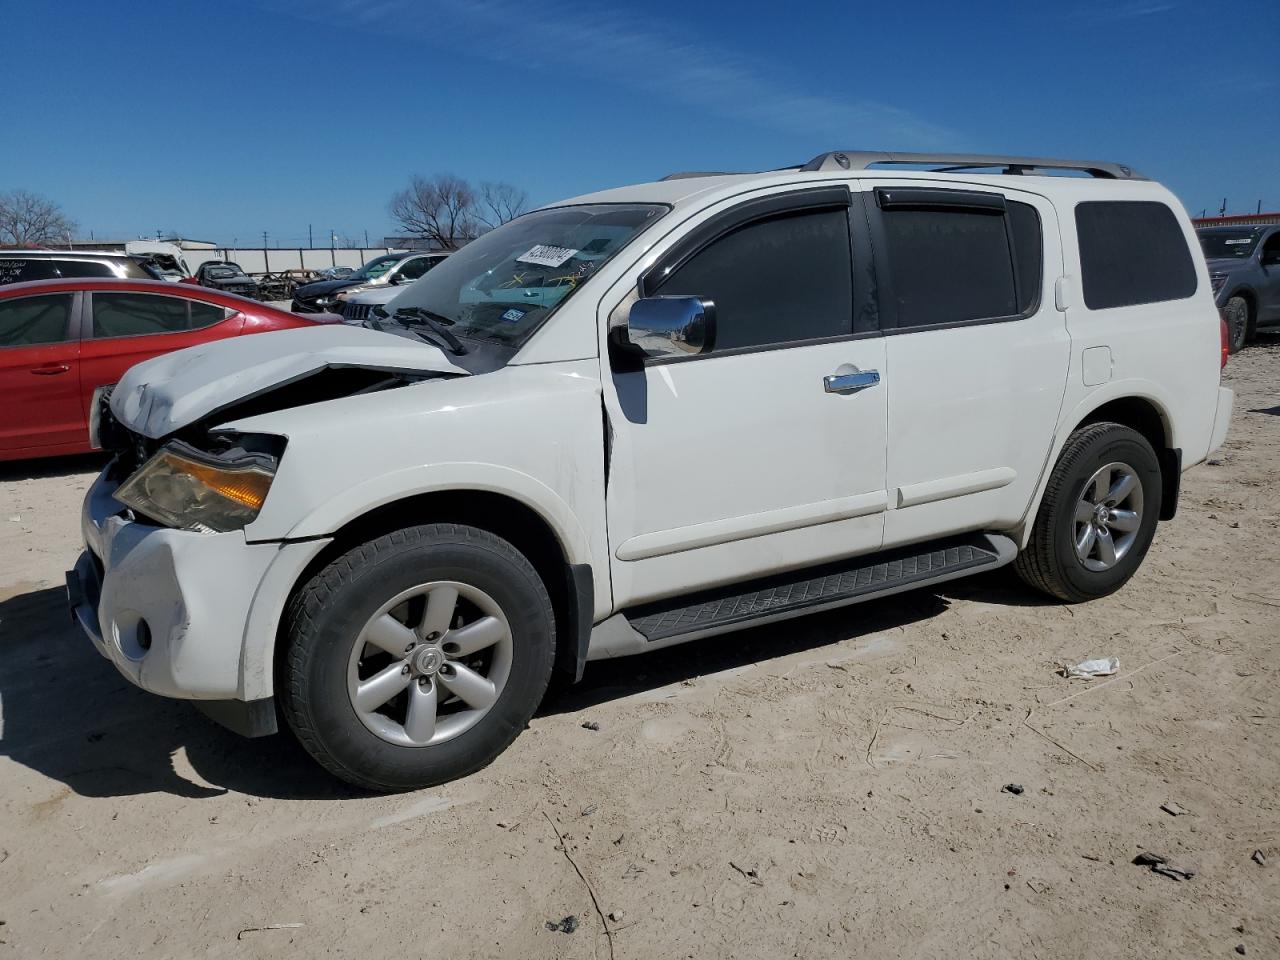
[1226, 339]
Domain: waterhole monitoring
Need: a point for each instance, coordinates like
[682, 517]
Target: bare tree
[447, 211]
[500, 202]
[29, 220]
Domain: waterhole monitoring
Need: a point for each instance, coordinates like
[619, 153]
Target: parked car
[19, 266]
[358, 307]
[645, 416]
[388, 270]
[161, 259]
[226, 276]
[334, 273]
[61, 341]
[1244, 270]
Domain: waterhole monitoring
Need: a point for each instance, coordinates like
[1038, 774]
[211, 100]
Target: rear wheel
[418, 657]
[1239, 321]
[1098, 516]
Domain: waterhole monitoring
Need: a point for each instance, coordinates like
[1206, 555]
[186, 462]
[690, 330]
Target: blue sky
[224, 120]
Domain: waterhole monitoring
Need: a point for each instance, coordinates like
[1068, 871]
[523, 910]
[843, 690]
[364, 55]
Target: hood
[378, 295]
[172, 391]
[1226, 264]
[319, 288]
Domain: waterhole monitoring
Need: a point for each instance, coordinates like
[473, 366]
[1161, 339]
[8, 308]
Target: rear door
[1269, 295]
[39, 374]
[976, 350]
[126, 327]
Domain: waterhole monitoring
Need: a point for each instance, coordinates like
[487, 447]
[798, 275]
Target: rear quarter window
[1132, 252]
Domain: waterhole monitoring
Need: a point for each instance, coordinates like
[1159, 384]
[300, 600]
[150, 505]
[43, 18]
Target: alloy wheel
[430, 663]
[1108, 516]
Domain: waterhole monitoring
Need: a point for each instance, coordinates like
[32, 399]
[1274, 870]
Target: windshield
[375, 268]
[1222, 244]
[504, 284]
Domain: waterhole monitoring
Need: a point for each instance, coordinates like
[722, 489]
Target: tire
[1239, 323]
[328, 663]
[1052, 561]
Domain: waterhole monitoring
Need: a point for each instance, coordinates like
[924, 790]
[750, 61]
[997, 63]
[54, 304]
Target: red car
[62, 339]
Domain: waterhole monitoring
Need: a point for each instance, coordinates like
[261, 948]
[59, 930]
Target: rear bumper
[1221, 419]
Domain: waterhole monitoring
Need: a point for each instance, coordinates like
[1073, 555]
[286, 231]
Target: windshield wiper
[436, 321]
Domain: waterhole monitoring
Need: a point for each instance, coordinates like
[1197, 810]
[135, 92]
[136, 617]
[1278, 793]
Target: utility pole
[310, 241]
[1259, 210]
[1222, 211]
[366, 234]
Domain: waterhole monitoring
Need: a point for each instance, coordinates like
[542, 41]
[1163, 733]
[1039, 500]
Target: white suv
[645, 416]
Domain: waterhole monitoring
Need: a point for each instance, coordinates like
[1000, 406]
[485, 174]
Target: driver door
[741, 462]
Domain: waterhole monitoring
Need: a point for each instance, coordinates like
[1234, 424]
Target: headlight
[188, 489]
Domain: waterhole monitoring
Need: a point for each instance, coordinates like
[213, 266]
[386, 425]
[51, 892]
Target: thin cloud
[605, 46]
[1129, 11]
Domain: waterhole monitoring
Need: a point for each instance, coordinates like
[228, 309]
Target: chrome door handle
[50, 369]
[851, 382]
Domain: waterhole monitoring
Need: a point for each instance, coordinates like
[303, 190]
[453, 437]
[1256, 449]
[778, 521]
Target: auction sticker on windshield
[546, 255]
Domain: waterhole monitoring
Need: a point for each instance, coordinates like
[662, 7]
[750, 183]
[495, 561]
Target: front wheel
[418, 657]
[1098, 516]
[1236, 312]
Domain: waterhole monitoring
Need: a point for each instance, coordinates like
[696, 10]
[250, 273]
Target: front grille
[356, 312]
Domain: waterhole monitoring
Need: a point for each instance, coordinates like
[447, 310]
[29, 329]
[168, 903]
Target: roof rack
[952, 162]
[695, 174]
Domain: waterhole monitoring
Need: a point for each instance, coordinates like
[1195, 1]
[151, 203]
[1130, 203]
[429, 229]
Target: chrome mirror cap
[661, 327]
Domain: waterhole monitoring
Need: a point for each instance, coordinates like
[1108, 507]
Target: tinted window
[1132, 252]
[779, 280]
[413, 269]
[949, 265]
[91, 268]
[137, 314]
[34, 320]
[13, 270]
[1028, 253]
[206, 314]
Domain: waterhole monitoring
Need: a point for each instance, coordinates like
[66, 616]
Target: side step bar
[756, 602]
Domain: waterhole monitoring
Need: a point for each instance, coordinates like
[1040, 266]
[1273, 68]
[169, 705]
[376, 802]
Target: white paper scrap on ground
[1088, 669]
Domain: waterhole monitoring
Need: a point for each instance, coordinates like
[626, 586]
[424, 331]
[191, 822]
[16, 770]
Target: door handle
[851, 382]
[50, 370]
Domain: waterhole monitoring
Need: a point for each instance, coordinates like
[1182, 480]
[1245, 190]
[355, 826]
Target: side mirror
[668, 327]
[398, 278]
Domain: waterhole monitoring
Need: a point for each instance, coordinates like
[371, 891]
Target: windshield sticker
[513, 315]
[545, 255]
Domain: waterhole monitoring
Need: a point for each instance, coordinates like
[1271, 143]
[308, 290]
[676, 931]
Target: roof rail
[695, 174]
[951, 162]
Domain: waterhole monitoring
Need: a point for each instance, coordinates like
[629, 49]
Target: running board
[756, 602]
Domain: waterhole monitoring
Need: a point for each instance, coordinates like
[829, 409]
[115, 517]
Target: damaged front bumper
[183, 614]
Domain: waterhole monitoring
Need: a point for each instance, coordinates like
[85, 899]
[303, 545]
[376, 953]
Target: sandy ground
[829, 787]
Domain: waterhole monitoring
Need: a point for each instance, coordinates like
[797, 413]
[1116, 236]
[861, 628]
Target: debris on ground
[270, 926]
[1088, 669]
[1174, 809]
[566, 925]
[1259, 858]
[752, 875]
[1240, 949]
[590, 725]
[589, 809]
[616, 916]
[1162, 866]
[1014, 788]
